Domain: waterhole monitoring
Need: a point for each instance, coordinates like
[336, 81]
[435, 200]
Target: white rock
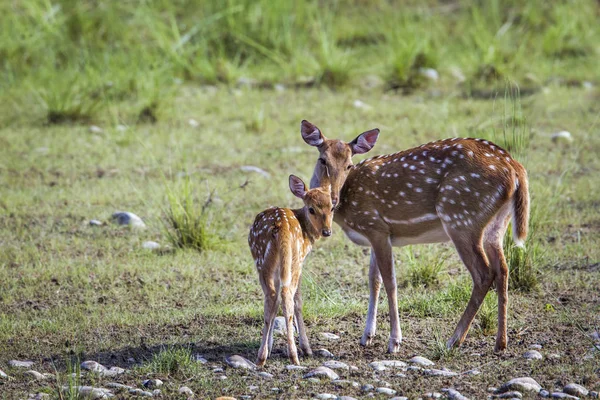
[575, 390]
[326, 396]
[95, 129]
[336, 365]
[322, 372]
[361, 105]
[150, 245]
[536, 346]
[561, 395]
[324, 353]
[293, 367]
[587, 85]
[222, 377]
[265, 375]
[40, 396]
[200, 358]
[253, 387]
[218, 370]
[92, 366]
[186, 390]
[385, 390]
[384, 364]
[152, 383]
[329, 336]
[433, 395]
[367, 387]
[193, 123]
[532, 355]
[544, 393]
[140, 392]
[473, 372]
[345, 382]
[36, 375]
[439, 372]
[20, 364]
[346, 398]
[95, 222]
[454, 394]
[128, 218]
[237, 361]
[314, 380]
[508, 395]
[425, 362]
[279, 326]
[90, 392]
[399, 398]
[564, 136]
[429, 73]
[523, 384]
[252, 168]
[118, 386]
[3, 375]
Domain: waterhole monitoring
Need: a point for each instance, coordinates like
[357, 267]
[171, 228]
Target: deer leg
[270, 309]
[374, 287]
[474, 258]
[385, 263]
[303, 338]
[287, 296]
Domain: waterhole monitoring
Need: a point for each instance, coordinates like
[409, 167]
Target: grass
[142, 71]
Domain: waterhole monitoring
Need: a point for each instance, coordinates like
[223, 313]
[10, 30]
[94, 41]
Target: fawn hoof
[500, 347]
[394, 345]
[260, 362]
[307, 352]
[367, 339]
[453, 342]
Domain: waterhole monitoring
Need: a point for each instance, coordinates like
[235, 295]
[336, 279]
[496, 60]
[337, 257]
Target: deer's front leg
[304, 344]
[374, 287]
[382, 248]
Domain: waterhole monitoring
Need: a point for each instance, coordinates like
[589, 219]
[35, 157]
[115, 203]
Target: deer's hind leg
[270, 288]
[304, 343]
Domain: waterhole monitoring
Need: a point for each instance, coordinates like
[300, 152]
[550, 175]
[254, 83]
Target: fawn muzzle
[326, 232]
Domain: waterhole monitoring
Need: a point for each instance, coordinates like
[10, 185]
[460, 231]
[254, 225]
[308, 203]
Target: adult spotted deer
[279, 240]
[459, 190]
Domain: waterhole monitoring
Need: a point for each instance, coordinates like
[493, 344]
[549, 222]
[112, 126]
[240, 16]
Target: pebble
[432, 395]
[222, 377]
[329, 336]
[265, 375]
[429, 73]
[344, 382]
[325, 396]
[156, 392]
[252, 387]
[95, 129]
[594, 395]
[324, 353]
[40, 396]
[252, 168]
[3, 375]
[562, 136]
[95, 222]
[279, 326]
[237, 361]
[553, 356]
[152, 383]
[523, 384]
[536, 346]
[425, 362]
[118, 386]
[112, 372]
[336, 365]
[454, 394]
[293, 367]
[508, 395]
[384, 364]
[90, 392]
[140, 392]
[367, 387]
[361, 105]
[218, 370]
[92, 366]
[575, 390]
[401, 375]
[36, 375]
[193, 123]
[473, 372]
[279, 87]
[385, 390]
[322, 371]
[20, 364]
[399, 398]
[439, 372]
[128, 218]
[533, 355]
[413, 368]
[561, 395]
[314, 380]
[150, 245]
[200, 358]
[544, 393]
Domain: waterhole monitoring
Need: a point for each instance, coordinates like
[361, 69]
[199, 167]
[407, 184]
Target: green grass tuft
[423, 269]
[174, 361]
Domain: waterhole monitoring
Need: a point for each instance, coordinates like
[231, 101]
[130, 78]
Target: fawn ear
[311, 134]
[297, 186]
[364, 142]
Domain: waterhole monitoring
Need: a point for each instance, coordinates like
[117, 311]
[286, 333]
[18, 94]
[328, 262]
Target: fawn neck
[307, 227]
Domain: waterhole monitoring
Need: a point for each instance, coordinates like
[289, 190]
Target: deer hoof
[394, 345]
[367, 339]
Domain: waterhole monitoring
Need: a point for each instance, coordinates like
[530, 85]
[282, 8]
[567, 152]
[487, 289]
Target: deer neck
[307, 227]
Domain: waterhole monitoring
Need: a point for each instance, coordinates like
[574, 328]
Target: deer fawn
[462, 190]
[279, 240]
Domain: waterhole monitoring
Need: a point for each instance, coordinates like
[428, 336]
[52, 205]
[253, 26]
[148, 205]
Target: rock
[218, 370]
[325, 396]
[561, 395]
[3, 375]
[129, 219]
[237, 361]
[336, 365]
[587, 85]
[95, 222]
[36, 375]
[432, 395]
[156, 392]
[92, 366]
[329, 336]
[40, 396]
[150, 245]
[553, 356]
[544, 393]
[252, 168]
[367, 387]
[399, 398]
[401, 375]
[314, 380]
[222, 377]
[523, 384]
[439, 372]
[429, 73]
[293, 367]
[425, 362]
[112, 372]
[345, 383]
[324, 353]
[454, 394]
[595, 336]
[562, 136]
[20, 364]
[385, 390]
[576, 390]
[140, 392]
[532, 355]
[95, 129]
[322, 371]
[413, 368]
[384, 364]
[193, 123]
[253, 387]
[119, 386]
[89, 392]
[536, 346]
[279, 326]
[473, 372]
[361, 105]
[594, 395]
[265, 375]
[508, 395]
[152, 383]
[225, 398]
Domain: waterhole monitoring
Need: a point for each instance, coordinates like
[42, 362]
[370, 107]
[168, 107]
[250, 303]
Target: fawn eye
[349, 166]
[311, 210]
[332, 208]
[322, 161]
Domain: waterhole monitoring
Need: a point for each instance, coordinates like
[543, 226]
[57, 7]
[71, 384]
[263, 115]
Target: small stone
[385, 390]
[152, 383]
[95, 222]
[367, 387]
[150, 245]
[95, 129]
[429, 73]
[473, 372]
[399, 398]
[92, 366]
[329, 336]
[237, 361]
[532, 355]
[433, 395]
[439, 372]
[112, 372]
[3, 375]
[293, 367]
[324, 353]
[562, 136]
[218, 370]
[253, 387]
[279, 326]
[36, 375]
[156, 392]
[561, 395]
[454, 394]
[523, 384]
[553, 356]
[361, 105]
[41, 396]
[544, 393]
[252, 168]
[222, 377]
[129, 219]
[425, 362]
[413, 368]
[508, 395]
[322, 371]
[595, 336]
[326, 396]
[594, 395]
[401, 375]
[314, 380]
[199, 358]
[140, 392]
[384, 364]
[336, 365]
[118, 386]
[193, 123]
[575, 390]
[20, 364]
[536, 346]
[265, 375]
[587, 85]
[89, 392]
[344, 383]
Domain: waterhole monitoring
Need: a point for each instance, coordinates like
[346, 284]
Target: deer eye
[349, 166]
[332, 208]
[311, 210]
[322, 161]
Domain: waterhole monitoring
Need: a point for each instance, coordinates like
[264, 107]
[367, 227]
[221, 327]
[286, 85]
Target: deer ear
[311, 134]
[297, 186]
[364, 142]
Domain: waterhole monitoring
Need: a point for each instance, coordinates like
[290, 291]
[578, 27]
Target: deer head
[317, 204]
[335, 156]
